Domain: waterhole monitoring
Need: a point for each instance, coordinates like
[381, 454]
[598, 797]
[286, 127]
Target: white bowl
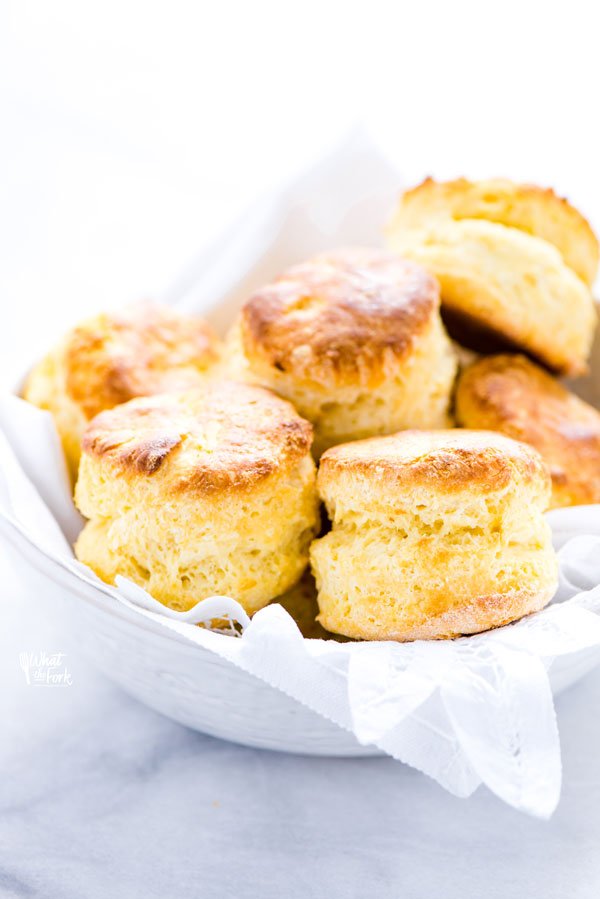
[195, 686]
[185, 681]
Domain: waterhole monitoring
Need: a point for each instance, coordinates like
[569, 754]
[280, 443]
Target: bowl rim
[60, 575]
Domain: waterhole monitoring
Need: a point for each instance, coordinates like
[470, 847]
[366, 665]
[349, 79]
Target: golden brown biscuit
[503, 284]
[354, 339]
[210, 491]
[434, 534]
[115, 357]
[510, 394]
[534, 210]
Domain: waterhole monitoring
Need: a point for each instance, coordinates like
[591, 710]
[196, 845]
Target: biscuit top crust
[514, 394]
[340, 316]
[534, 210]
[224, 437]
[143, 350]
[446, 461]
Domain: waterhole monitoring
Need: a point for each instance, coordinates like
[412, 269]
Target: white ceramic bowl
[187, 682]
[196, 687]
[183, 681]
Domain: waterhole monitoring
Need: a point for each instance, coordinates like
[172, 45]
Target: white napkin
[472, 710]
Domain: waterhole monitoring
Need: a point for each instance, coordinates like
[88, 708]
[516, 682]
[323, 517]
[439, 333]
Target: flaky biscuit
[210, 491]
[534, 210]
[354, 339]
[114, 357]
[434, 534]
[513, 395]
[508, 258]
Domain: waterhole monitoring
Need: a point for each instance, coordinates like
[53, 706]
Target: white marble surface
[129, 136]
[102, 797]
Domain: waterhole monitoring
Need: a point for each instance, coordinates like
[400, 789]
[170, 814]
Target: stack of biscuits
[331, 454]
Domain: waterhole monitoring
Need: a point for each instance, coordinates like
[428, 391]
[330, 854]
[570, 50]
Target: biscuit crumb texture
[199, 494]
[511, 394]
[513, 261]
[354, 339]
[114, 357]
[433, 536]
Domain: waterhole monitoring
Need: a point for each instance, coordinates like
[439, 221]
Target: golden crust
[507, 284]
[534, 210]
[144, 350]
[514, 264]
[227, 436]
[336, 318]
[512, 395]
[452, 460]
[433, 535]
[202, 493]
[114, 357]
[470, 617]
[355, 341]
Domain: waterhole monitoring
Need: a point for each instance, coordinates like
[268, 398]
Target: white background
[131, 133]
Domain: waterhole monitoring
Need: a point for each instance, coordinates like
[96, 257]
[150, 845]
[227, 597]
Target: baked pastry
[434, 534]
[514, 263]
[194, 494]
[513, 395]
[354, 339]
[534, 210]
[115, 357]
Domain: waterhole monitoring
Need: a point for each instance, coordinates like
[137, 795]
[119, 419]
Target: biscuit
[434, 534]
[194, 494]
[505, 270]
[114, 357]
[354, 339]
[534, 210]
[512, 395]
